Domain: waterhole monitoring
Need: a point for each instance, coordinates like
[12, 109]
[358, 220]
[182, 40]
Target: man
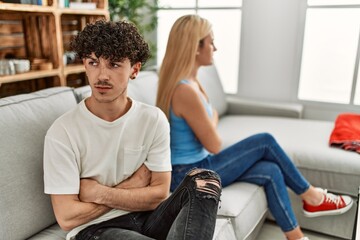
[107, 162]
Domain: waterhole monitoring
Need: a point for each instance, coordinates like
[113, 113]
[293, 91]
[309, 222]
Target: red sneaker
[331, 205]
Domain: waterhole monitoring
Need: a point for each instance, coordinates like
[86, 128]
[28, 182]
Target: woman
[195, 142]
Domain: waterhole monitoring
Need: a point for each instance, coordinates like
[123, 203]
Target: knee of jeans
[208, 183]
[273, 171]
[267, 137]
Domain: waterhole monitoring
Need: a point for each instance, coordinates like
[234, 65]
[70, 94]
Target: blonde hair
[180, 55]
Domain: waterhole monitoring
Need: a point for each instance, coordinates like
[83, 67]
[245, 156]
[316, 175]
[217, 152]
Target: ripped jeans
[189, 213]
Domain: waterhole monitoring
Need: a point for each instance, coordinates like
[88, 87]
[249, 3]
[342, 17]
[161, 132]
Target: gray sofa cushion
[246, 206]
[53, 232]
[224, 230]
[306, 142]
[144, 87]
[25, 209]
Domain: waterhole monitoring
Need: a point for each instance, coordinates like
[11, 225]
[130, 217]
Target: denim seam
[189, 220]
[289, 178]
[293, 225]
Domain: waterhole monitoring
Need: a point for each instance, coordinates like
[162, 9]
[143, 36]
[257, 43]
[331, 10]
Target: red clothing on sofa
[346, 133]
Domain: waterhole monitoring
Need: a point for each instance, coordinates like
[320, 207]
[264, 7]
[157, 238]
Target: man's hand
[89, 190]
[141, 178]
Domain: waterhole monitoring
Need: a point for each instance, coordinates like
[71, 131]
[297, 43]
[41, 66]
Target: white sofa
[26, 212]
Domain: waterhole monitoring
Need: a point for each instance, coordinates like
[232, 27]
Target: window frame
[355, 79]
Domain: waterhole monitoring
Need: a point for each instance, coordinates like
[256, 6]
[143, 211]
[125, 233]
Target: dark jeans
[189, 213]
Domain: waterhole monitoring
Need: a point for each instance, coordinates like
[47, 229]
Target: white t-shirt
[82, 145]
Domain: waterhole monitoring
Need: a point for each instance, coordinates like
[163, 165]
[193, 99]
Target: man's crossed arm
[143, 191]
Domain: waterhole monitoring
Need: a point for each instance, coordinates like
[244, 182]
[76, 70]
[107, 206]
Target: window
[227, 39]
[330, 59]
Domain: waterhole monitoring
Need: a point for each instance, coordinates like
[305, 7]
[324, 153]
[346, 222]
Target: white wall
[268, 48]
[271, 47]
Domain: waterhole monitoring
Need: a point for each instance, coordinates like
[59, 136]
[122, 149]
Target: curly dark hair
[115, 41]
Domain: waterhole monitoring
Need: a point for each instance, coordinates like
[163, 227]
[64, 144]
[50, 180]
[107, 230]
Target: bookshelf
[42, 34]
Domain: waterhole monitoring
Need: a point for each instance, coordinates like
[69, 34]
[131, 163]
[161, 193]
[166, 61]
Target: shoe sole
[328, 213]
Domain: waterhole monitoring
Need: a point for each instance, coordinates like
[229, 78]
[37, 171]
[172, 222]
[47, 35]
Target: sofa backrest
[210, 80]
[24, 120]
[144, 88]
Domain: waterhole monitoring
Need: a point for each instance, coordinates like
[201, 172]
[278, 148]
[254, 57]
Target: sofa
[26, 212]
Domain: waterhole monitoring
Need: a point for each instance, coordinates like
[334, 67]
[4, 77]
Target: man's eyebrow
[92, 58]
[117, 61]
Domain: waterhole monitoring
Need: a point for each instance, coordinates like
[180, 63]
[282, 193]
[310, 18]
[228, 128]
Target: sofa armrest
[241, 106]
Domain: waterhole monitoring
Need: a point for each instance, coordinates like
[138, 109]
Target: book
[61, 3]
[26, 2]
[82, 5]
[11, 1]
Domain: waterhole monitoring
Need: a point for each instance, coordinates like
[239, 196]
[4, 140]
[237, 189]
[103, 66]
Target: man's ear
[135, 70]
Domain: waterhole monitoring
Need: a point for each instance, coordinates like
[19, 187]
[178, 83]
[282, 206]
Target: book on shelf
[64, 3]
[11, 1]
[82, 5]
[33, 2]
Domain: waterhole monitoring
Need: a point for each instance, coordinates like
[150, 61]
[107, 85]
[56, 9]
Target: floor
[271, 231]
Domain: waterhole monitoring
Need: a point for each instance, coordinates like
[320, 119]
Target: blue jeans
[260, 160]
[189, 213]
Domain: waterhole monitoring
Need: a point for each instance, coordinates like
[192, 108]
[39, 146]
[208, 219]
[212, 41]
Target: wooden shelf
[29, 75]
[12, 7]
[43, 32]
[97, 11]
[73, 69]
[26, 8]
